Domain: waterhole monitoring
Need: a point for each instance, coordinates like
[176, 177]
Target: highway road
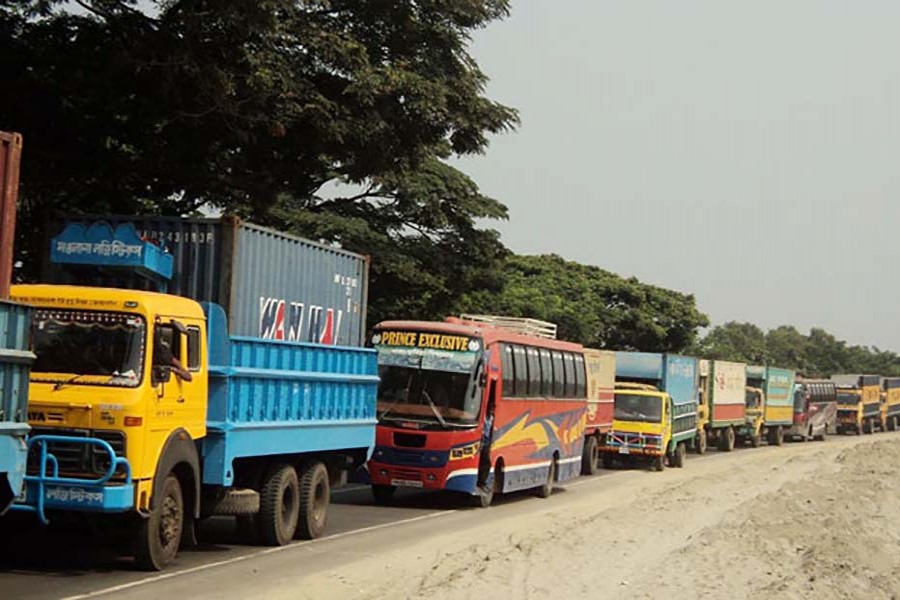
[77, 562]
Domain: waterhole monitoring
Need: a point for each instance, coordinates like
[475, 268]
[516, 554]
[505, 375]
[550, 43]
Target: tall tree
[253, 107]
[592, 306]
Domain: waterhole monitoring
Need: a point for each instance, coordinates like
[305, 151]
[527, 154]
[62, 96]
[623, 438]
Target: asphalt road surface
[74, 560]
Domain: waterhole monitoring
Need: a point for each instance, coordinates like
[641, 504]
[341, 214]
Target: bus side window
[569, 361]
[521, 371]
[509, 373]
[546, 373]
[534, 372]
[559, 377]
[580, 384]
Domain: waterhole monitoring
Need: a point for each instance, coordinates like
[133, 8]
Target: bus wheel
[678, 456]
[159, 535]
[590, 456]
[315, 496]
[700, 443]
[545, 490]
[383, 494]
[279, 506]
[485, 497]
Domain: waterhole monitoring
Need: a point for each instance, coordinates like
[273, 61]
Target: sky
[745, 152]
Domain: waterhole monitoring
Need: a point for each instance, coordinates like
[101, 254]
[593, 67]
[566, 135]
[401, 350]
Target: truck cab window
[193, 349]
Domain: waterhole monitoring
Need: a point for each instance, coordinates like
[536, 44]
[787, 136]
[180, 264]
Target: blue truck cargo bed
[15, 366]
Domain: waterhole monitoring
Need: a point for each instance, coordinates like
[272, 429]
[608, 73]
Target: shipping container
[15, 364]
[273, 285]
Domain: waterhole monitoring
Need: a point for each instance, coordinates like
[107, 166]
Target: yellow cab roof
[638, 392]
[98, 298]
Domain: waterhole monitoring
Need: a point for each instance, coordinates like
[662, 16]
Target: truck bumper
[48, 490]
[633, 444]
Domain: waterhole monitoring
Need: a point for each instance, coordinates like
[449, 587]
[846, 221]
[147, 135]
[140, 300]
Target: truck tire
[678, 456]
[726, 440]
[892, 424]
[606, 459]
[279, 506]
[159, 535]
[700, 442]
[547, 488]
[659, 462]
[868, 426]
[315, 496]
[756, 439]
[238, 502]
[778, 436]
[383, 494]
[590, 456]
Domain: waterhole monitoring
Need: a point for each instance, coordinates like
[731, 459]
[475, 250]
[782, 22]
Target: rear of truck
[726, 388]
[15, 362]
[600, 369]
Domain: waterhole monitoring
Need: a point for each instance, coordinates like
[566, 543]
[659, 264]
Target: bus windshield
[436, 385]
[94, 347]
[634, 407]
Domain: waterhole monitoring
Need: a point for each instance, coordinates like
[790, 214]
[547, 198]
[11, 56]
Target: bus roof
[487, 333]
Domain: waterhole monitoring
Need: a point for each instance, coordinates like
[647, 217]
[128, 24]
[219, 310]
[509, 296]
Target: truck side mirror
[160, 374]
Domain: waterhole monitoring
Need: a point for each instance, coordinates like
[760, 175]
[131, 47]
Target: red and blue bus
[475, 408]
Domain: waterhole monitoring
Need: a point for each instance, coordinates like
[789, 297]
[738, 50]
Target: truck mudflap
[639, 444]
[48, 490]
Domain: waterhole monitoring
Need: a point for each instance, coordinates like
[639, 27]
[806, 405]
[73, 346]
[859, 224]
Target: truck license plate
[406, 483]
[624, 450]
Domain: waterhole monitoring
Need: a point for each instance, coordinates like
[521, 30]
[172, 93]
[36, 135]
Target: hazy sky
[747, 152]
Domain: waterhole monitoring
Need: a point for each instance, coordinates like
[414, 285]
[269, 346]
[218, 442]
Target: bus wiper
[59, 384]
[434, 409]
[395, 402]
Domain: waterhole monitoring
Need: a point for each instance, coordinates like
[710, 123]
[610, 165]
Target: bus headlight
[462, 452]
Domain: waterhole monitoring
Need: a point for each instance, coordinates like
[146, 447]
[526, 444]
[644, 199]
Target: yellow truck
[859, 406]
[890, 405]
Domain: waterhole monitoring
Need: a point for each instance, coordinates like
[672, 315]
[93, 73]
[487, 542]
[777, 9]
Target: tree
[590, 305]
[739, 342]
[252, 107]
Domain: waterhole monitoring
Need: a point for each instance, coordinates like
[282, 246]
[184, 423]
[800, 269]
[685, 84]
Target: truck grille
[78, 458]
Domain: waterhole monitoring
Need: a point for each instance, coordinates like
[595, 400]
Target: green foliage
[817, 354]
[591, 306]
[252, 107]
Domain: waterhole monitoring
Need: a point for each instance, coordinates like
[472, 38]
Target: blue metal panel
[681, 379]
[639, 365]
[286, 398]
[15, 366]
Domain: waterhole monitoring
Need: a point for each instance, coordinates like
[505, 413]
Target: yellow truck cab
[754, 414]
[642, 426]
[859, 405]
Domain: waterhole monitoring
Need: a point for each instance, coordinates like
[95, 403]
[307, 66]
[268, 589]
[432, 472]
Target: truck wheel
[659, 462]
[700, 442]
[779, 435]
[726, 440]
[678, 457]
[545, 490]
[279, 506]
[867, 426]
[383, 494]
[315, 496]
[606, 460]
[892, 424]
[756, 439]
[590, 456]
[159, 535]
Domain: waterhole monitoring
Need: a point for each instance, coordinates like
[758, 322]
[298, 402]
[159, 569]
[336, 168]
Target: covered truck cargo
[727, 393]
[600, 366]
[272, 285]
[674, 374]
[778, 386]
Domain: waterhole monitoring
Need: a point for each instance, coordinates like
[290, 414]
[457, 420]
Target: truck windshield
[849, 399]
[437, 385]
[634, 407]
[752, 399]
[92, 347]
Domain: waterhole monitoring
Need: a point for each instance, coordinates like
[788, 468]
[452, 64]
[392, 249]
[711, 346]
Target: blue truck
[15, 362]
[655, 412]
[143, 405]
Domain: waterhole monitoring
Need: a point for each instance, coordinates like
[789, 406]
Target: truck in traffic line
[143, 404]
[858, 403]
[600, 366]
[655, 411]
[890, 406]
[769, 405]
[722, 406]
[815, 409]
